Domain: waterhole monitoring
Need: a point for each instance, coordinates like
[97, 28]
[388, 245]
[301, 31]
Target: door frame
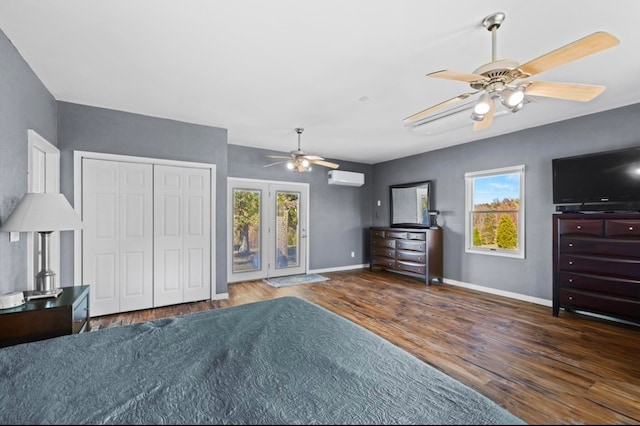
[77, 194]
[263, 272]
[51, 184]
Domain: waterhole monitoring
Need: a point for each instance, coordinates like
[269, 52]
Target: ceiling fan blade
[424, 113]
[586, 46]
[273, 164]
[312, 157]
[570, 91]
[458, 76]
[488, 117]
[325, 164]
[279, 156]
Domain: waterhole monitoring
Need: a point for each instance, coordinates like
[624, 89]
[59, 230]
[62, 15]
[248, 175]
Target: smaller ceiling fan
[495, 80]
[298, 161]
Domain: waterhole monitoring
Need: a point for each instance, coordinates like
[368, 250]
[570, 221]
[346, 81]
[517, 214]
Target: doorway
[43, 170]
[267, 229]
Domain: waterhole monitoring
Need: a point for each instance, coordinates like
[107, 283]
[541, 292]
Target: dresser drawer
[384, 262]
[624, 247]
[581, 227]
[377, 234]
[596, 283]
[383, 252]
[395, 234]
[378, 242]
[416, 236]
[412, 256]
[600, 265]
[622, 228]
[411, 245]
[604, 304]
[411, 267]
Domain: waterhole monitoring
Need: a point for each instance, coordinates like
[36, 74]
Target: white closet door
[117, 240]
[136, 236]
[100, 260]
[182, 235]
[197, 234]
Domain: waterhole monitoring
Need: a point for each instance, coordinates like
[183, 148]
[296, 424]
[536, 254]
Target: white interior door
[117, 235]
[43, 169]
[182, 235]
[267, 229]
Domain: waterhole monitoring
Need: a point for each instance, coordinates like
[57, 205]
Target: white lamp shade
[42, 212]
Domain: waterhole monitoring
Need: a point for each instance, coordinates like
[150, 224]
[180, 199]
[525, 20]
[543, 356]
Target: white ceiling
[262, 68]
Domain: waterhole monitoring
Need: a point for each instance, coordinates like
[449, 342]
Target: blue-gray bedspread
[281, 361]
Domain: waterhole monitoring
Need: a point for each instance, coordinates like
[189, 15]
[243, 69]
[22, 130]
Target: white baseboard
[338, 268]
[221, 296]
[518, 296]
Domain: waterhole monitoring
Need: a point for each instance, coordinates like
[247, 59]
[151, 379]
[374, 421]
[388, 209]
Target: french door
[267, 229]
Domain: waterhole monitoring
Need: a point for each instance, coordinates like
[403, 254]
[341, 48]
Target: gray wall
[93, 129]
[535, 148]
[24, 104]
[338, 215]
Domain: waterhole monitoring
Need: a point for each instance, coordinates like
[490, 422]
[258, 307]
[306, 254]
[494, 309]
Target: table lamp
[43, 213]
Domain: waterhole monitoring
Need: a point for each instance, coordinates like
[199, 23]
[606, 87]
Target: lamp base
[37, 294]
[45, 280]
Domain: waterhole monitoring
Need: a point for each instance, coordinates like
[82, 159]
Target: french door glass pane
[246, 230]
[287, 229]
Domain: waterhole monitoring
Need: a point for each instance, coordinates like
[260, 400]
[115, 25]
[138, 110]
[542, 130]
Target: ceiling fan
[299, 161]
[496, 79]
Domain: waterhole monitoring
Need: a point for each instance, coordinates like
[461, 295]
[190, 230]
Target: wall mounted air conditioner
[340, 177]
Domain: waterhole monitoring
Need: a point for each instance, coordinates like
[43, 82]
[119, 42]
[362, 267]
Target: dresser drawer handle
[570, 263]
[578, 226]
[570, 297]
[570, 244]
[570, 280]
[631, 228]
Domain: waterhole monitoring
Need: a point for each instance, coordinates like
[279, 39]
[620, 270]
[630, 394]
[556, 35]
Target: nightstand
[40, 319]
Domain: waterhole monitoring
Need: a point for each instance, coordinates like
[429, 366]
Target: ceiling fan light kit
[496, 79]
[299, 161]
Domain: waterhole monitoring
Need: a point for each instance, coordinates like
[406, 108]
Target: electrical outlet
[14, 236]
[353, 254]
[378, 203]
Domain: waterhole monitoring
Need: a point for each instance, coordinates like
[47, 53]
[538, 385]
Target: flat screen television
[410, 204]
[602, 179]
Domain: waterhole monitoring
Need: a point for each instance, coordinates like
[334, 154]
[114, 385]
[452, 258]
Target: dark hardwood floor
[571, 369]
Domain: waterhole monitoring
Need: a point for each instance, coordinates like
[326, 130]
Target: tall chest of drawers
[596, 264]
[414, 252]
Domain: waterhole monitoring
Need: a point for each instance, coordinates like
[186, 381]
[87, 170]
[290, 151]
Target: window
[494, 212]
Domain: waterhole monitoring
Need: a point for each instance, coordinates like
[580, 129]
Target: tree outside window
[495, 212]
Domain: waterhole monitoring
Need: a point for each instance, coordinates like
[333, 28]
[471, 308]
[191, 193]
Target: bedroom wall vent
[340, 177]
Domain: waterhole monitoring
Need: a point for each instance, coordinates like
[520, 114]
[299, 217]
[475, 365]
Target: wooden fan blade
[325, 164]
[312, 157]
[279, 156]
[570, 91]
[488, 117]
[273, 164]
[429, 110]
[586, 46]
[458, 76]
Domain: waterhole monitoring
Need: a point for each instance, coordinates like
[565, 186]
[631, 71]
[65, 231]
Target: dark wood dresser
[415, 252]
[40, 319]
[596, 264]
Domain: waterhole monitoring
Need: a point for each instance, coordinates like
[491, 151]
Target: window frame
[469, 193]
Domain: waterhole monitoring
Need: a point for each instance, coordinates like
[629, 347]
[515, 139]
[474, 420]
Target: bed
[280, 361]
